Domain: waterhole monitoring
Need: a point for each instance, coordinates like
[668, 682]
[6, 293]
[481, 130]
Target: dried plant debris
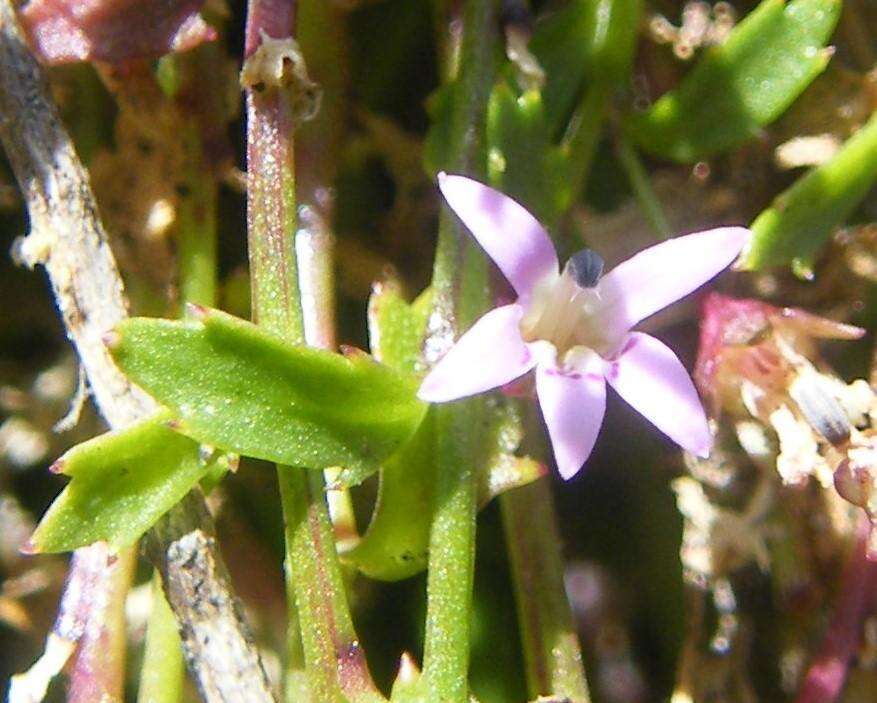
[766, 510]
[29, 434]
[278, 65]
[112, 31]
[702, 25]
[832, 108]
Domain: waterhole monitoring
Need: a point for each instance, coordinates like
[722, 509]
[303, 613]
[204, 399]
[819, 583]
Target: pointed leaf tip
[122, 482]
[111, 340]
[196, 311]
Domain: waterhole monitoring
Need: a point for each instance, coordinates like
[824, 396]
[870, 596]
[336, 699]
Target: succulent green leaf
[801, 218]
[232, 385]
[584, 41]
[743, 84]
[503, 470]
[522, 161]
[395, 545]
[396, 327]
[437, 145]
[507, 471]
[122, 483]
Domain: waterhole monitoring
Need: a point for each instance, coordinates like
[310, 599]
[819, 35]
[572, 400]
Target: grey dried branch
[193, 574]
[67, 237]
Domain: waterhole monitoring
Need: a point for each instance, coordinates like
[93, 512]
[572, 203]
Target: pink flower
[574, 326]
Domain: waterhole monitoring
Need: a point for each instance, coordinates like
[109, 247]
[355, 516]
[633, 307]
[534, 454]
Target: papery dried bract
[113, 31]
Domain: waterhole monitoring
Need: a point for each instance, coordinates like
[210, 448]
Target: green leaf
[502, 437]
[123, 482]
[395, 545]
[740, 86]
[439, 137]
[522, 162]
[237, 387]
[801, 218]
[396, 328]
[586, 40]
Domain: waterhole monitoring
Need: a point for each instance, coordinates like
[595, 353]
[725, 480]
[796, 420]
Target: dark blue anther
[586, 267]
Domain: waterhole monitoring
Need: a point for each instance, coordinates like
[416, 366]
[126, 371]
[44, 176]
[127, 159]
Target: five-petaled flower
[574, 326]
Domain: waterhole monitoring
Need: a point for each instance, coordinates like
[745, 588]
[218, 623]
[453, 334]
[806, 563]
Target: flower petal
[573, 405]
[664, 273]
[489, 355]
[509, 234]
[649, 376]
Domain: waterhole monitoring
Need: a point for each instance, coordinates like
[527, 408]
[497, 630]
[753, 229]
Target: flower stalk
[460, 293]
[334, 663]
[552, 655]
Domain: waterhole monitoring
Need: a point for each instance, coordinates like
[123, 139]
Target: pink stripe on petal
[666, 272]
[573, 405]
[510, 235]
[489, 355]
[649, 376]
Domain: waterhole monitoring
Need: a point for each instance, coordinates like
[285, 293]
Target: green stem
[583, 135]
[314, 247]
[334, 663]
[460, 291]
[642, 188]
[196, 222]
[161, 676]
[552, 655]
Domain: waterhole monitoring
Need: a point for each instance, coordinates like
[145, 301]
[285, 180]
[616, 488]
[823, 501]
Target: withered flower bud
[854, 483]
[759, 362]
[748, 342]
[112, 31]
[821, 409]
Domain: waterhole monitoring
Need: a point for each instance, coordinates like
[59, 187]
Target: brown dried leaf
[113, 31]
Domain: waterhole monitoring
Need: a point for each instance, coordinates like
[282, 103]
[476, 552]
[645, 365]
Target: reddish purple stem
[827, 674]
[274, 17]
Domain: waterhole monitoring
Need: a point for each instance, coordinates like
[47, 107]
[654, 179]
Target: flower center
[564, 309]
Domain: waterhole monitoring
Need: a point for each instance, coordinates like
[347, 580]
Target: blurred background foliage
[590, 156]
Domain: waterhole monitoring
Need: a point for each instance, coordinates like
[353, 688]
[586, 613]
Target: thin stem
[642, 188]
[583, 135]
[99, 670]
[334, 663]
[161, 676]
[552, 654]
[314, 248]
[196, 222]
[271, 217]
[460, 293]
[825, 678]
